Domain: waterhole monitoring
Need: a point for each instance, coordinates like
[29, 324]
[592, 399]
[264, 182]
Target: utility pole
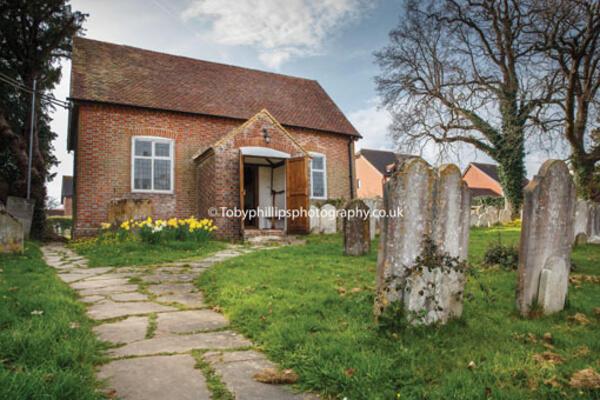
[31, 139]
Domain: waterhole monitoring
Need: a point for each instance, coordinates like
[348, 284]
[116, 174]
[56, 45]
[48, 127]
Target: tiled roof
[111, 73]
[382, 159]
[491, 170]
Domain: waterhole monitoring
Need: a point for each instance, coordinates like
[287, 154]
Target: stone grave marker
[435, 209]
[11, 233]
[328, 219]
[21, 209]
[315, 219]
[545, 252]
[357, 238]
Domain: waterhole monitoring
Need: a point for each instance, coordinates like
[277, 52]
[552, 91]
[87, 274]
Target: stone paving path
[162, 331]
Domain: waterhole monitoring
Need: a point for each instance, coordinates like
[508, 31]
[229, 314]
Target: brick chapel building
[191, 136]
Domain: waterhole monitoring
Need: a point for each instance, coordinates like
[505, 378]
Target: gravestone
[434, 203]
[474, 219]
[357, 238]
[545, 252]
[505, 216]
[483, 220]
[580, 239]
[11, 233]
[374, 207]
[21, 209]
[315, 224]
[492, 214]
[581, 223]
[327, 219]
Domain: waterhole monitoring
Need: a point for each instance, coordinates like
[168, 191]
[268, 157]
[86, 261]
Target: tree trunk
[511, 171]
[583, 174]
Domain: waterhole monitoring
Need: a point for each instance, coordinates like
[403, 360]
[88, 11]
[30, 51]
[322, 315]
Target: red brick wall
[103, 167]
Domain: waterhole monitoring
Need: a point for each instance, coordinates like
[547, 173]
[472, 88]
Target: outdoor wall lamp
[266, 135]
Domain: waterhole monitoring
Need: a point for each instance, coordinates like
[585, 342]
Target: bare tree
[457, 71]
[568, 34]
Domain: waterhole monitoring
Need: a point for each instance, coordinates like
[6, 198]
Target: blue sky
[331, 41]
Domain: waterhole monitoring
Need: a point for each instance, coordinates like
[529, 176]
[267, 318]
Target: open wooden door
[296, 172]
[242, 194]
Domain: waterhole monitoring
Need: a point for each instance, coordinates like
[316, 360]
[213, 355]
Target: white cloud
[277, 29]
[373, 124]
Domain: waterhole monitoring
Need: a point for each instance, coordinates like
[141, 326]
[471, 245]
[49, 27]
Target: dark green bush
[499, 254]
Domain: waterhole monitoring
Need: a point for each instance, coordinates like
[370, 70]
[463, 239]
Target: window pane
[142, 173]
[162, 149]
[317, 162]
[162, 175]
[143, 148]
[318, 184]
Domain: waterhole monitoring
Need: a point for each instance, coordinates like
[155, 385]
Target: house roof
[382, 159]
[491, 170]
[476, 192]
[117, 74]
[67, 187]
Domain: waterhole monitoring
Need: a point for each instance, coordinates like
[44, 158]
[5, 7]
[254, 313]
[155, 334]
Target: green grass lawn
[47, 348]
[114, 253]
[290, 303]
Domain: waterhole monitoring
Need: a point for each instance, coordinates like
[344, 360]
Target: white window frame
[324, 156]
[153, 140]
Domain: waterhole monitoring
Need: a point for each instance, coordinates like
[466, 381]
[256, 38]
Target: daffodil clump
[156, 231]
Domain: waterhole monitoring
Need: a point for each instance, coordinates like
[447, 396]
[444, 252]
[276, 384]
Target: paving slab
[91, 271]
[91, 299]
[125, 331]
[69, 277]
[158, 278]
[166, 288]
[107, 309]
[108, 290]
[190, 321]
[237, 369]
[130, 296]
[182, 343]
[99, 283]
[113, 275]
[186, 299]
[156, 378]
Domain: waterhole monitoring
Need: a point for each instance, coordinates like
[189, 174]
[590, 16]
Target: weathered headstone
[433, 203]
[474, 219]
[21, 209]
[315, 224]
[374, 207]
[328, 219]
[120, 210]
[505, 216]
[581, 223]
[545, 252]
[580, 239]
[483, 220]
[492, 213]
[357, 238]
[11, 234]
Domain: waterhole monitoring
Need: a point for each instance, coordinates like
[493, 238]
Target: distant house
[373, 168]
[66, 196]
[483, 180]
[191, 137]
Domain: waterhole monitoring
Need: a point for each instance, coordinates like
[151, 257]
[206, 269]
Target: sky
[331, 41]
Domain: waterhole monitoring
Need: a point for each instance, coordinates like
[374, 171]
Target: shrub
[499, 254]
[489, 201]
